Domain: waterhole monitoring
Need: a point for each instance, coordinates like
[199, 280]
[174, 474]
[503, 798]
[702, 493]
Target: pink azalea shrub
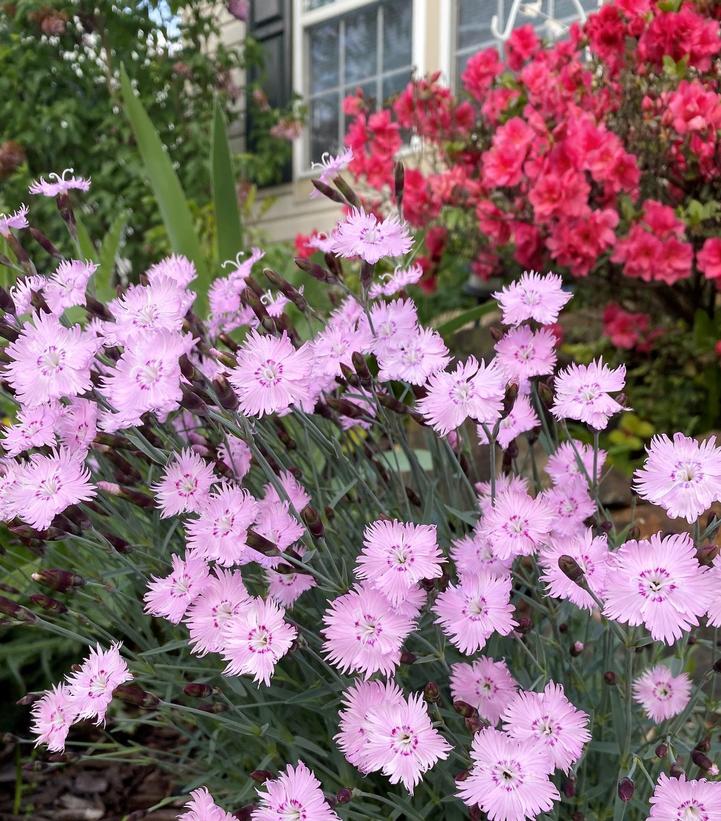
[354, 575]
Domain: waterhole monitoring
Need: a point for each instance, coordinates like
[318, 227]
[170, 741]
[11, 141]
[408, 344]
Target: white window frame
[303, 20]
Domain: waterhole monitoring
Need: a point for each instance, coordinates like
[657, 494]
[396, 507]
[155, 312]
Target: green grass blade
[447, 329]
[229, 228]
[103, 278]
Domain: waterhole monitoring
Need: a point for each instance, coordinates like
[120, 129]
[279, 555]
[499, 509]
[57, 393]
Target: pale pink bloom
[533, 296]
[275, 523]
[563, 466]
[287, 588]
[660, 584]
[679, 799]
[683, 476]
[171, 596]
[516, 484]
[68, 284]
[295, 794]
[523, 353]
[91, 687]
[146, 379]
[401, 741]
[22, 292]
[391, 284]
[49, 360]
[323, 242]
[521, 419]
[144, 308]
[473, 389]
[348, 313]
[17, 220]
[365, 402]
[358, 701]
[473, 554]
[592, 555]
[397, 555]
[293, 491]
[414, 358]
[570, 506]
[363, 235]
[184, 485]
[33, 428]
[220, 531]
[336, 345]
[227, 312]
[63, 183]
[714, 609]
[176, 267]
[222, 596]
[392, 323]
[517, 524]
[363, 633]
[271, 374]
[330, 166]
[661, 694]
[8, 469]
[53, 716]
[551, 719]
[242, 268]
[509, 779]
[44, 486]
[235, 454]
[254, 639]
[485, 684]
[583, 393]
[77, 424]
[201, 807]
[475, 608]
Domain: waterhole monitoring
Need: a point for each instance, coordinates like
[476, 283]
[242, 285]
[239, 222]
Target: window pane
[361, 45]
[324, 126]
[394, 84]
[323, 56]
[474, 21]
[370, 92]
[397, 36]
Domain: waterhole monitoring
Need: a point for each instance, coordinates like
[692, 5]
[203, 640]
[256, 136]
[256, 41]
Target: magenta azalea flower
[551, 719]
[201, 807]
[397, 555]
[683, 476]
[509, 779]
[50, 361]
[679, 798]
[485, 684]
[44, 486]
[532, 297]
[170, 596]
[330, 166]
[473, 389]
[68, 284]
[582, 393]
[222, 596]
[295, 793]
[471, 611]
[414, 358]
[176, 268]
[521, 419]
[662, 694]
[523, 353]
[517, 524]
[401, 741]
[364, 235]
[660, 584]
[271, 374]
[473, 554]
[91, 687]
[63, 183]
[219, 533]
[363, 633]
[391, 284]
[184, 485]
[592, 555]
[17, 220]
[53, 716]
[358, 701]
[255, 639]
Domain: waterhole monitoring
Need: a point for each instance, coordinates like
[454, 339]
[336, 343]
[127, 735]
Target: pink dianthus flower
[295, 793]
[662, 694]
[91, 687]
[485, 684]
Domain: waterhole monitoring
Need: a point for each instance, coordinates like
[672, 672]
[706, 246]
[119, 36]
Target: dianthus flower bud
[347, 192]
[57, 579]
[576, 648]
[97, 308]
[569, 787]
[578, 816]
[227, 397]
[432, 693]
[17, 611]
[6, 302]
[464, 709]
[260, 543]
[706, 554]
[676, 769]
[196, 689]
[328, 191]
[701, 760]
[192, 401]
[47, 603]
[525, 624]
[312, 521]
[407, 657]
[44, 242]
[133, 694]
[399, 177]
[570, 568]
[261, 776]
[29, 698]
[661, 751]
[349, 375]
[361, 368]
[609, 677]
[717, 666]
[626, 789]
[343, 796]
[316, 271]
[704, 745]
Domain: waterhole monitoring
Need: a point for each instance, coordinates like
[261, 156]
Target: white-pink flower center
[687, 473]
[51, 361]
[269, 373]
[507, 774]
[404, 741]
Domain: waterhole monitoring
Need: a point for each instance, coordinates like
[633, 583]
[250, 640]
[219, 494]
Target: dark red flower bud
[17, 611]
[461, 776]
[343, 796]
[701, 760]
[407, 657]
[676, 769]
[52, 605]
[312, 521]
[661, 751]
[432, 693]
[133, 694]
[570, 568]
[577, 648]
[197, 690]
[626, 788]
[704, 745]
[569, 787]
[464, 709]
[609, 677]
[261, 776]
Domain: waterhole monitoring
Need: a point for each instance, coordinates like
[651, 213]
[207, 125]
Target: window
[346, 45]
[474, 19]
